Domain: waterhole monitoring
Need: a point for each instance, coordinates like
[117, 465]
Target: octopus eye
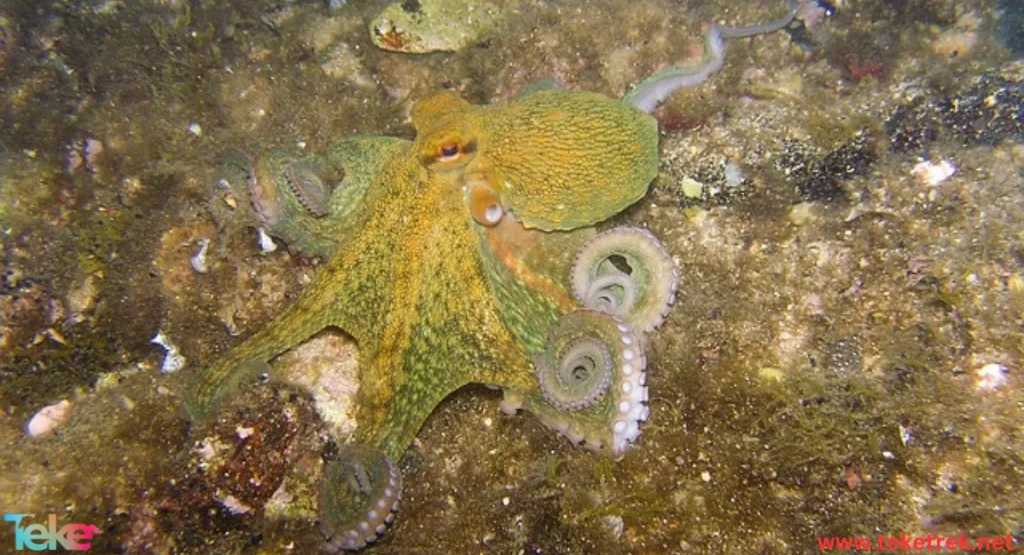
[448, 152]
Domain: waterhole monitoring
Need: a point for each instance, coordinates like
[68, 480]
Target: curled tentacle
[626, 271]
[601, 293]
[292, 199]
[263, 178]
[583, 344]
[575, 375]
[221, 384]
[240, 172]
[361, 493]
[308, 188]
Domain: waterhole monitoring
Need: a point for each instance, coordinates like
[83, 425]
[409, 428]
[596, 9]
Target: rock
[341, 62]
[82, 298]
[422, 26]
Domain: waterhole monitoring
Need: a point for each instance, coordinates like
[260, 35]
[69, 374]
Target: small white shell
[267, 245]
[47, 419]
[199, 260]
[930, 173]
[174, 361]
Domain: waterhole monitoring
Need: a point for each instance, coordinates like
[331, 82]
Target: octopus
[468, 255]
[471, 254]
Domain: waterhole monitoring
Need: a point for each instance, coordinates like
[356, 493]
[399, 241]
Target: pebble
[905, 435]
[267, 245]
[930, 173]
[199, 260]
[733, 174]
[991, 376]
[47, 419]
[174, 361]
[81, 299]
[615, 525]
[691, 188]
[235, 506]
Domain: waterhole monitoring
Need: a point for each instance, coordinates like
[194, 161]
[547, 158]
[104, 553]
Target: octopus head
[448, 146]
[447, 132]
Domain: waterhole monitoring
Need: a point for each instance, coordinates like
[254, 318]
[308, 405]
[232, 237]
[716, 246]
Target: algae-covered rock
[422, 26]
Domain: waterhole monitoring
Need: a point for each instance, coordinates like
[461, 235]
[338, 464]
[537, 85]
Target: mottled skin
[434, 299]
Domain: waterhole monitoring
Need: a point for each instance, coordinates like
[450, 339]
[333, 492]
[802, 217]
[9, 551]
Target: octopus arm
[245, 362]
[652, 91]
[360, 160]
